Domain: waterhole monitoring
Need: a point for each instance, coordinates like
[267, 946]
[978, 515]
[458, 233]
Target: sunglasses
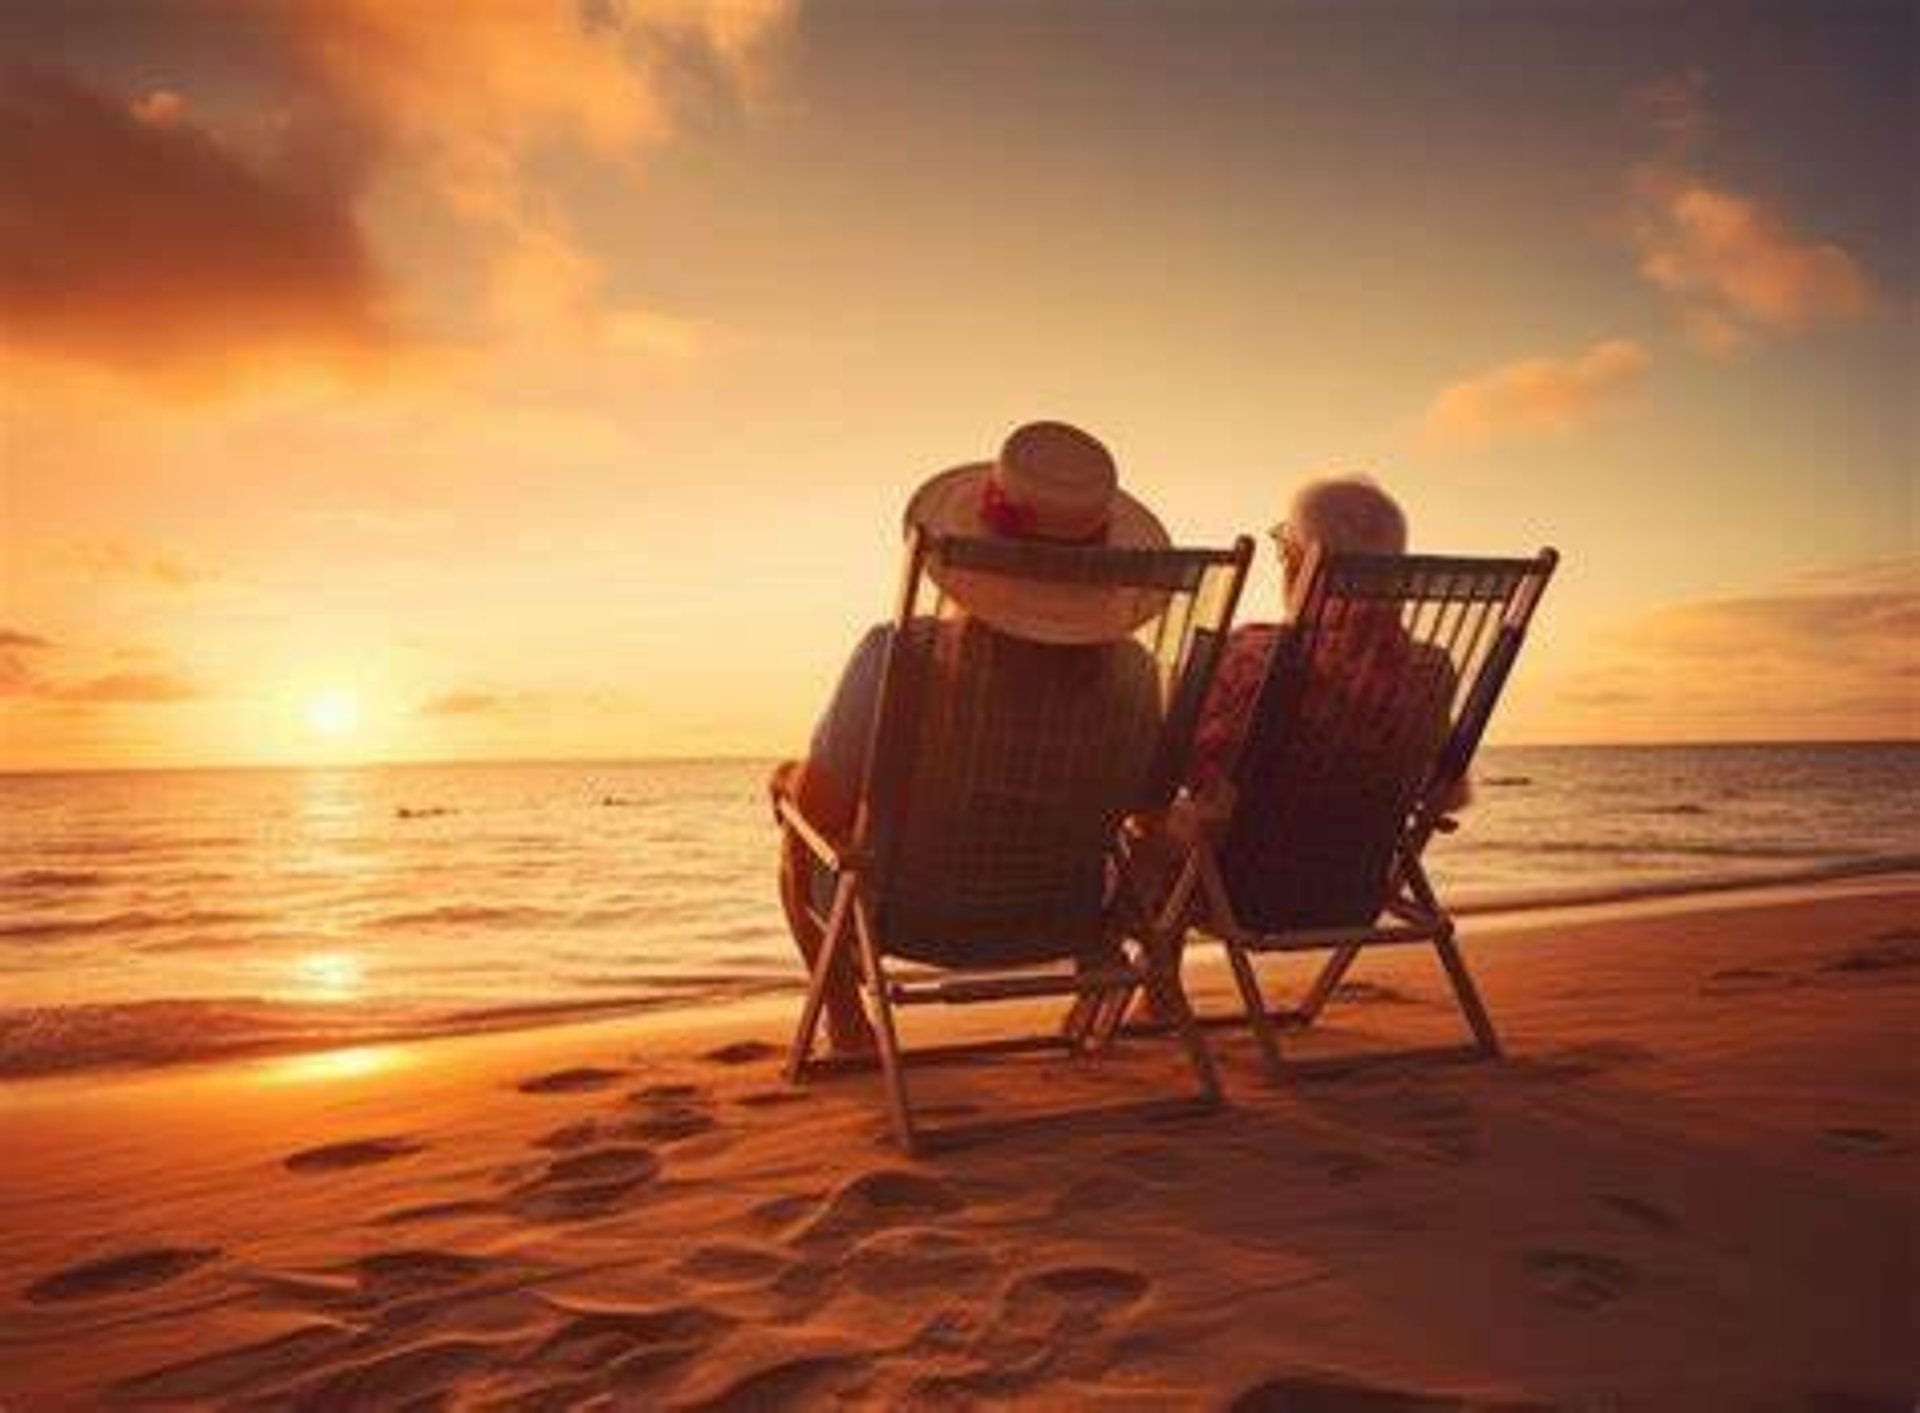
[1284, 540]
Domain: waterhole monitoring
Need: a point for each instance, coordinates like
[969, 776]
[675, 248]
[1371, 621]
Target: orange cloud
[137, 234]
[141, 687]
[1835, 653]
[460, 704]
[143, 244]
[1535, 395]
[118, 559]
[1733, 269]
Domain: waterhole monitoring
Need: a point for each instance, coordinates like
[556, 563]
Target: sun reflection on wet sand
[329, 976]
[326, 1065]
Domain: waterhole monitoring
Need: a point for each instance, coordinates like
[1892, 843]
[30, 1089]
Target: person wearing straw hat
[1051, 482]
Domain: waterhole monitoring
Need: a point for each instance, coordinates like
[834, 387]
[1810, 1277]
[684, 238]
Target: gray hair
[1349, 513]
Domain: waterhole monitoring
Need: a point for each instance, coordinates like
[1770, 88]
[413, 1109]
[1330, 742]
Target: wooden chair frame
[851, 923]
[1411, 912]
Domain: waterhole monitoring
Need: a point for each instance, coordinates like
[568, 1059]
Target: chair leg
[1258, 1020]
[1467, 992]
[1323, 986]
[1163, 984]
[893, 1071]
[832, 939]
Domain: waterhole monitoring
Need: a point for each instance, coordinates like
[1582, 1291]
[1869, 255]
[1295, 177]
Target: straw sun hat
[1052, 484]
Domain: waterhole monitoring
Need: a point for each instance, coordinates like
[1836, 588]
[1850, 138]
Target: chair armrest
[834, 856]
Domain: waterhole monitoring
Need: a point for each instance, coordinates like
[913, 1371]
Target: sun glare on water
[334, 713]
[330, 976]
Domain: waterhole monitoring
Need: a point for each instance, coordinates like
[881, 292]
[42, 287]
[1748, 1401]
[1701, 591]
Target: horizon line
[747, 757]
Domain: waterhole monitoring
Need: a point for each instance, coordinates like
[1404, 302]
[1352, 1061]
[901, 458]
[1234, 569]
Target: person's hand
[780, 785]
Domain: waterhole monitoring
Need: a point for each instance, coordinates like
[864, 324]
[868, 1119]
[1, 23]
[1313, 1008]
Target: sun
[335, 712]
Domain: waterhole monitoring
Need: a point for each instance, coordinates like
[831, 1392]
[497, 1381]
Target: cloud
[1536, 395]
[18, 680]
[1732, 268]
[1831, 653]
[144, 244]
[264, 208]
[141, 687]
[460, 704]
[122, 560]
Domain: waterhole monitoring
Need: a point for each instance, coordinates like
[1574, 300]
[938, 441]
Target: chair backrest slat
[1374, 703]
[1001, 766]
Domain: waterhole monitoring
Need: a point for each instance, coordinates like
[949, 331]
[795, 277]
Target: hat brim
[1046, 612]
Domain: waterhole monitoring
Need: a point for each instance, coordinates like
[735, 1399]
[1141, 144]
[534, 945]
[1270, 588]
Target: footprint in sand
[667, 1093]
[581, 1079]
[1649, 1215]
[451, 1210]
[880, 1198]
[356, 1153]
[906, 1261]
[1371, 992]
[785, 1209]
[120, 1274]
[263, 1364]
[422, 1375]
[1857, 1138]
[1309, 1393]
[807, 1381]
[1744, 979]
[1580, 1280]
[669, 1120]
[1898, 950]
[568, 1137]
[1076, 1296]
[588, 1183]
[1578, 1062]
[606, 1336]
[725, 1263]
[388, 1275]
[742, 1052]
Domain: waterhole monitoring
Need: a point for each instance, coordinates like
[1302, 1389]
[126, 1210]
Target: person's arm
[1230, 701]
[826, 785]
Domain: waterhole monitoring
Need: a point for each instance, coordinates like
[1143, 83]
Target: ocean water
[158, 916]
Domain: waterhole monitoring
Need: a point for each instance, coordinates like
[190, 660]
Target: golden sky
[383, 379]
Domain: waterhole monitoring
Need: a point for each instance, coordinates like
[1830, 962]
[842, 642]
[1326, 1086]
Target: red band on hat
[1006, 517]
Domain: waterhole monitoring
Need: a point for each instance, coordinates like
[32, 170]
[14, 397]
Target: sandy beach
[1691, 1184]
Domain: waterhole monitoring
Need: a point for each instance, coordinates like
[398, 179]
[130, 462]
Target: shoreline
[150, 1033]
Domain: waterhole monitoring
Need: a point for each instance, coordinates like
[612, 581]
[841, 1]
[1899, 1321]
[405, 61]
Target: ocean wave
[53, 878]
[42, 1041]
[1654, 849]
[468, 915]
[1543, 899]
[131, 922]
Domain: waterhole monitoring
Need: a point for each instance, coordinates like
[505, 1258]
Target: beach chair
[1373, 705]
[983, 863]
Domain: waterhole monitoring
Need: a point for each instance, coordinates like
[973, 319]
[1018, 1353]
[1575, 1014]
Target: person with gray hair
[1334, 514]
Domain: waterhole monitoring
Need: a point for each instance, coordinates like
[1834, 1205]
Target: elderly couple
[1056, 483]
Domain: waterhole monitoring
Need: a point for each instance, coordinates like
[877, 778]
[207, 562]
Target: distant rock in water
[1677, 809]
[1505, 782]
[423, 811]
[620, 802]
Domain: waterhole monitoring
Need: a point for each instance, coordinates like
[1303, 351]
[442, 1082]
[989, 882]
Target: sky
[382, 379]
